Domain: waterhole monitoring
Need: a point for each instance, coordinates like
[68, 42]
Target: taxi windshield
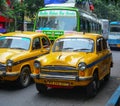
[73, 45]
[14, 42]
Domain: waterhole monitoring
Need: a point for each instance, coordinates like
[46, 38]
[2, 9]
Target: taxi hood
[6, 54]
[62, 58]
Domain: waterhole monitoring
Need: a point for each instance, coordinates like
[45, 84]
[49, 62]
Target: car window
[104, 43]
[45, 42]
[36, 43]
[99, 45]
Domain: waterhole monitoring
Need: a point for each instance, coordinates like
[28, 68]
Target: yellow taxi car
[75, 60]
[17, 52]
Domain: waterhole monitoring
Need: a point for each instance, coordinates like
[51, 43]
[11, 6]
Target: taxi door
[101, 57]
[46, 45]
[106, 59]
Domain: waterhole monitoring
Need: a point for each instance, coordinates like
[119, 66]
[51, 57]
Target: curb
[115, 98]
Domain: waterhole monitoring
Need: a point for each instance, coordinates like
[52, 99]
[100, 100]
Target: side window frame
[104, 44]
[36, 44]
[45, 42]
[99, 45]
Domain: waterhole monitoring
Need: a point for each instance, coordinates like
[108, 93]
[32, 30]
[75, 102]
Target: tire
[107, 77]
[41, 88]
[24, 78]
[93, 87]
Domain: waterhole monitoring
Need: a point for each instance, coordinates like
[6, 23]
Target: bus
[56, 19]
[114, 34]
[105, 27]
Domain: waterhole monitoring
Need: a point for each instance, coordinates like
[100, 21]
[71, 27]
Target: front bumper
[4, 73]
[75, 78]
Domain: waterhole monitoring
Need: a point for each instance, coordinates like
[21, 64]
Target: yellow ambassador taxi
[17, 52]
[75, 59]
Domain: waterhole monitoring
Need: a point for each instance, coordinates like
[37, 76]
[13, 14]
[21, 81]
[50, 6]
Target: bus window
[88, 26]
[82, 25]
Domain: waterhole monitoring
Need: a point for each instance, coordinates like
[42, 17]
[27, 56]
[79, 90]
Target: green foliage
[5, 10]
[32, 6]
[108, 10]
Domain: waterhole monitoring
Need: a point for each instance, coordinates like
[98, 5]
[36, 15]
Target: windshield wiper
[17, 48]
[67, 48]
[83, 49]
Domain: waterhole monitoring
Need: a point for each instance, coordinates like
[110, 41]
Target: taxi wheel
[107, 77]
[93, 87]
[24, 78]
[41, 88]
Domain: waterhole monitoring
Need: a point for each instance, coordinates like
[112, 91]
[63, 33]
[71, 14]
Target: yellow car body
[75, 60]
[17, 53]
[0, 34]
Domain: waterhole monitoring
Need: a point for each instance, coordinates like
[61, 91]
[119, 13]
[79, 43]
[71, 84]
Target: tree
[5, 10]
[113, 1]
[107, 10]
[32, 6]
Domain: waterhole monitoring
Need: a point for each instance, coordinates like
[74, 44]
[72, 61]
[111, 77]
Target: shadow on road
[73, 94]
[10, 86]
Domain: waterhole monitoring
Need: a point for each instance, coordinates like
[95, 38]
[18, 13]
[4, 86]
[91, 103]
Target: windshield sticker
[57, 13]
[26, 39]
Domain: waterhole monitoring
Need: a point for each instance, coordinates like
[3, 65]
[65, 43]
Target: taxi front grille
[59, 73]
[2, 67]
[59, 70]
[59, 67]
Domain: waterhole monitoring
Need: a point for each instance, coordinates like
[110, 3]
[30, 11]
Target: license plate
[57, 83]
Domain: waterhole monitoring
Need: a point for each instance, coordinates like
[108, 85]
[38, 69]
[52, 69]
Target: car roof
[81, 35]
[28, 34]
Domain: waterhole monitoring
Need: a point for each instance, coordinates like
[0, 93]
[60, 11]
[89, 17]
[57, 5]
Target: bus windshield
[115, 28]
[57, 20]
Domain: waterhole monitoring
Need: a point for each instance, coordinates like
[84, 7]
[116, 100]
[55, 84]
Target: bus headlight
[82, 66]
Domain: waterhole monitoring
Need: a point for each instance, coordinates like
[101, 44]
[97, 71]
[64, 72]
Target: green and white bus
[57, 19]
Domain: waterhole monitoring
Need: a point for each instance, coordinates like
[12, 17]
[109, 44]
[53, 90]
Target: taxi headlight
[9, 63]
[37, 64]
[82, 66]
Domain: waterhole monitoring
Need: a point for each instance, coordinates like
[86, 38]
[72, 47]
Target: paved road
[10, 95]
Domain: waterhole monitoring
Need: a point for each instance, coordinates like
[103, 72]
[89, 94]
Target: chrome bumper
[4, 74]
[39, 76]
